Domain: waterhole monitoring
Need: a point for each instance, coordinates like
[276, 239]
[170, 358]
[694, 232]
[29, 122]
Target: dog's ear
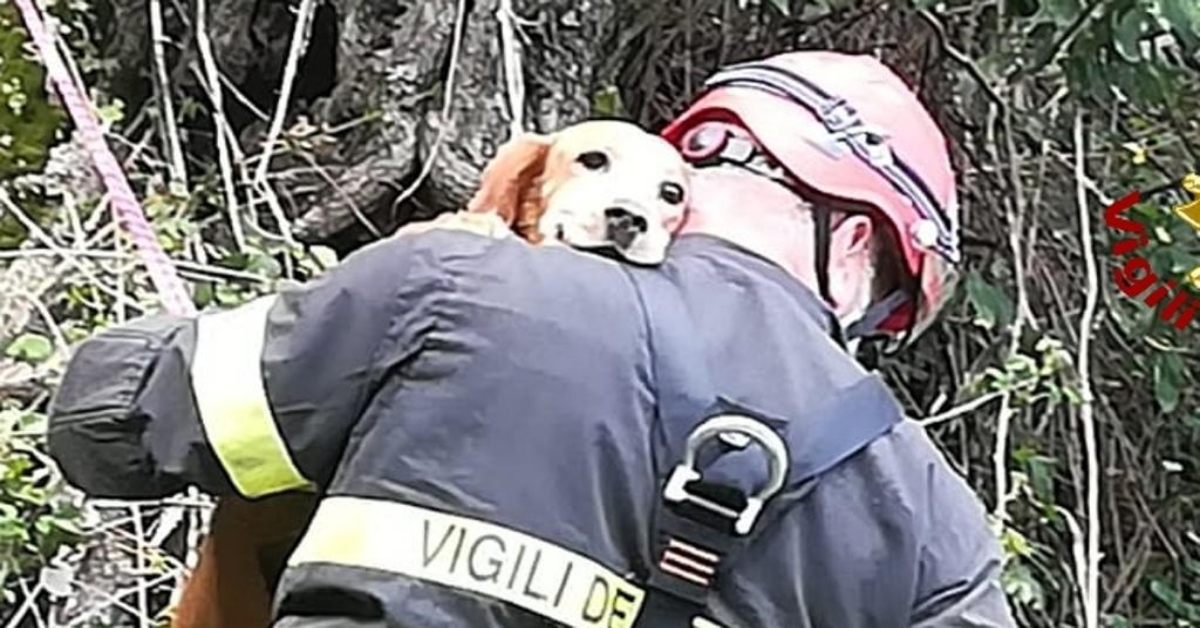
[510, 180]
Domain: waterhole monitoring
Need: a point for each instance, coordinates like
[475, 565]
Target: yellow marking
[1193, 277]
[1139, 152]
[472, 555]
[1190, 212]
[228, 383]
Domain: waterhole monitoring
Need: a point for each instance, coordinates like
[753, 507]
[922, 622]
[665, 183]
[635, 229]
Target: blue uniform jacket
[478, 416]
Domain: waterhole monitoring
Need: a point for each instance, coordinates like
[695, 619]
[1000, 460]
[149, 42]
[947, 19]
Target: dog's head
[601, 184]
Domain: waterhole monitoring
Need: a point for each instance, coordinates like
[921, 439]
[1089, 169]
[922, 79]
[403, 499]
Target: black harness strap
[699, 526]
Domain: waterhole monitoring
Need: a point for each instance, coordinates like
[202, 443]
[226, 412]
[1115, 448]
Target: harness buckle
[738, 431]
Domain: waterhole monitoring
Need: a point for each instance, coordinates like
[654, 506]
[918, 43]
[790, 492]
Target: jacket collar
[729, 256]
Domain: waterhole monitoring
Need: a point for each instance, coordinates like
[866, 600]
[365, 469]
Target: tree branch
[1090, 589]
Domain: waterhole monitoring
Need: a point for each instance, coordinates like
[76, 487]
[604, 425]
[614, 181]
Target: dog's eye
[593, 160]
[672, 193]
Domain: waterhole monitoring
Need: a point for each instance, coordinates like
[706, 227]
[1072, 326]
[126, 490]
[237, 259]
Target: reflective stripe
[469, 554]
[228, 381]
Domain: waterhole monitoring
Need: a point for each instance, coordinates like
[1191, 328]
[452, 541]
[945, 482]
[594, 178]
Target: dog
[605, 186]
[601, 186]
[241, 560]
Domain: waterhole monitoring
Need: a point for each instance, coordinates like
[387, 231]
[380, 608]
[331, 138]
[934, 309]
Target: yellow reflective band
[228, 383]
[472, 555]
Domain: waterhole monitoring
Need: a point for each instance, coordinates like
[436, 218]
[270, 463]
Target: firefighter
[509, 435]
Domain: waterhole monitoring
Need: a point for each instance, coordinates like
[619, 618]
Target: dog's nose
[623, 226]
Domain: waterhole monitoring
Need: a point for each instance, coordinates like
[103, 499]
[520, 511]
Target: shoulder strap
[859, 413]
[691, 551]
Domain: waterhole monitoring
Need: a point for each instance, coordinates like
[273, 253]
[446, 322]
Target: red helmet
[847, 127]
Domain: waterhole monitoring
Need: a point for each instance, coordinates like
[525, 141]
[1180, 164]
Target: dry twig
[1090, 585]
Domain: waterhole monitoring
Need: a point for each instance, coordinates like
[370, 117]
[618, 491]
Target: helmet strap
[730, 149]
[876, 314]
[821, 238]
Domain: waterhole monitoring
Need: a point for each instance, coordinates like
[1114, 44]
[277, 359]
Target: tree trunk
[374, 76]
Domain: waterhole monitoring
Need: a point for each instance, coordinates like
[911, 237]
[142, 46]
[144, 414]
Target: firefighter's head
[828, 164]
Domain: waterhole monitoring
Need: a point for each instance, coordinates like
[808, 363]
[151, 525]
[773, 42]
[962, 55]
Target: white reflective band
[228, 383]
[472, 555]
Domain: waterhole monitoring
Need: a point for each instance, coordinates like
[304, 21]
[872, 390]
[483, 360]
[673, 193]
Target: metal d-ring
[743, 427]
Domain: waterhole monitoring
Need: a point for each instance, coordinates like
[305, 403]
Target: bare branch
[1091, 585]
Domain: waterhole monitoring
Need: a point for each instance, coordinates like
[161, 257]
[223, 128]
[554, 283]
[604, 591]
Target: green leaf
[1023, 8]
[782, 7]
[607, 102]
[28, 121]
[1041, 477]
[203, 294]
[111, 113]
[64, 525]
[1127, 34]
[1140, 82]
[1042, 41]
[263, 264]
[992, 307]
[1192, 565]
[1061, 12]
[1168, 380]
[1081, 71]
[1015, 543]
[30, 348]
[1174, 601]
[1184, 18]
[1021, 585]
[324, 256]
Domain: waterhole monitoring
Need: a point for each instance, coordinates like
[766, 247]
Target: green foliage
[1045, 376]
[1130, 66]
[27, 121]
[1169, 378]
[606, 103]
[40, 517]
[1186, 610]
[37, 517]
[30, 348]
[991, 306]
[1022, 585]
[1118, 61]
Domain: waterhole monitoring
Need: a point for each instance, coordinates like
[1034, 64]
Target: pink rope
[128, 211]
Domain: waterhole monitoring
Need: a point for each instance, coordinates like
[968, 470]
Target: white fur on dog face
[598, 166]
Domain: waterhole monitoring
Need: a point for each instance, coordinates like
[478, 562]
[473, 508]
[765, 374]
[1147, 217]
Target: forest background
[268, 138]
